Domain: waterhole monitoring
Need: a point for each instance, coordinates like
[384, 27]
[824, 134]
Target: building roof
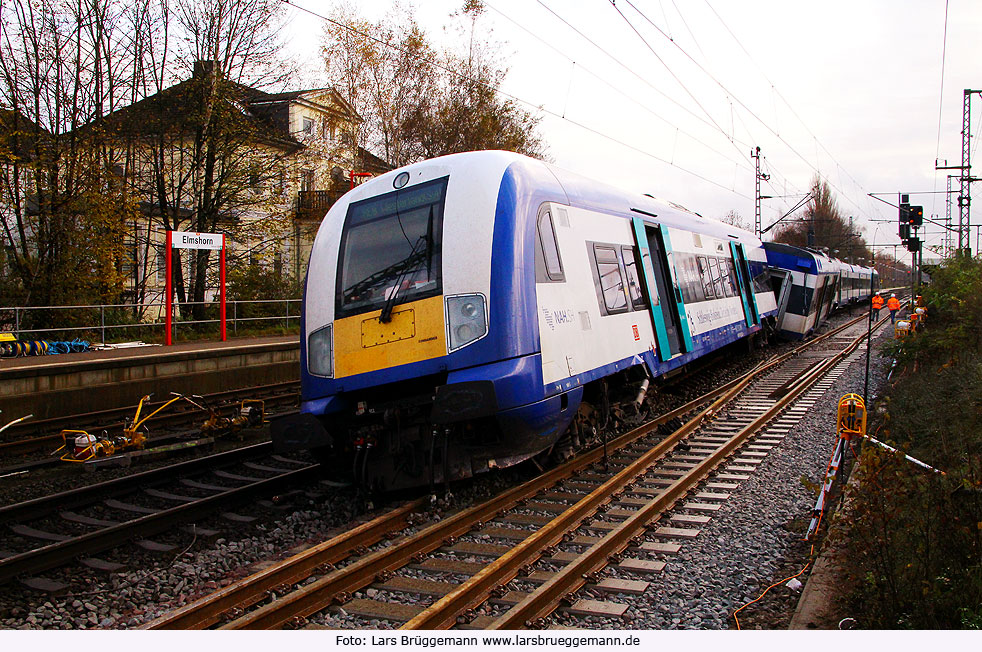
[19, 135]
[182, 106]
[368, 162]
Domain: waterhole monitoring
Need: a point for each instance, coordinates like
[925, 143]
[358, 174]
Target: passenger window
[693, 281]
[707, 277]
[611, 282]
[719, 277]
[550, 248]
[731, 278]
[633, 281]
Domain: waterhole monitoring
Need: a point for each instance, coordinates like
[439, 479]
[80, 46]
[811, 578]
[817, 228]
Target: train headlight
[320, 352]
[467, 319]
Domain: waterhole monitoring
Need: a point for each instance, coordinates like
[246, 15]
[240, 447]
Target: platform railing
[39, 322]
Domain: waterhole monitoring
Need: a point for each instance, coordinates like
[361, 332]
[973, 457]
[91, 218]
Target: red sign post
[192, 240]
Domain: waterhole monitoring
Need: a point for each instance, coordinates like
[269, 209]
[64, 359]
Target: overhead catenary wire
[666, 66]
[715, 124]
[627, 96]
[688, 29]
[746, 127]
[510, 96]
[793, 112]
[944, 50]
[622, 65]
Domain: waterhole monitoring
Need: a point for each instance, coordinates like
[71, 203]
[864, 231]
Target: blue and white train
[475, 310]
[810, 285]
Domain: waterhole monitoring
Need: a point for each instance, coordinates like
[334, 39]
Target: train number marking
[558, 317]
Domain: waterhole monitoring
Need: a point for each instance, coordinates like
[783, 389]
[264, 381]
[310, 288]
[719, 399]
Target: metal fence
[36, 322]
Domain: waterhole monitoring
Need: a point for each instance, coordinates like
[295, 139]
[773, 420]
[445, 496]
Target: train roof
[811, 259]
[791, 257]
[589, 193]
[580, 191]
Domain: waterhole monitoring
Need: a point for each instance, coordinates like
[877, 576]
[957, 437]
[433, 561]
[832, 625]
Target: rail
[150, 522]
[338, 583]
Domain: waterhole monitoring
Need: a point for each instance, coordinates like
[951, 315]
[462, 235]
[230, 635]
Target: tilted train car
[467, 312]
[813, 285]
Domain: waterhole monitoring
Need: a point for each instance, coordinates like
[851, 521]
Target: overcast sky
[669, 97]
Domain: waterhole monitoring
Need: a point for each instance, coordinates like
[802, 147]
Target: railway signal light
[913, 244]
[916, 215]
[904, 225]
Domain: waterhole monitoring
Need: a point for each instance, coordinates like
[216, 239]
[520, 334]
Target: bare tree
[734, 218]
[419, 103]
[383, 71]
[200, 153]
[822, 225]
[60, 213]
[97, 135]
[467, 112]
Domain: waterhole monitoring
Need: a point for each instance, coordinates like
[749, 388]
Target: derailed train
[475, 310]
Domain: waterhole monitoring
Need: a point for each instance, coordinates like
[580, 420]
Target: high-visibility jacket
[893, 303]
[877, 302]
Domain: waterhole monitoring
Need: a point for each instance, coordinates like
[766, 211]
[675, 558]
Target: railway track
[52, 531]
[275, 397]
[25, 438]
[526, 552]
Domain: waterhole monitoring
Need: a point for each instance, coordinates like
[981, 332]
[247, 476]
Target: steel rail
[572, 577]
[39, 507]
[315, 596]
[443, 613]
[249, 590]
[57, 554]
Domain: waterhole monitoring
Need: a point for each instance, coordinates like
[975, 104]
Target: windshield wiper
[410, 264]
[379, 277]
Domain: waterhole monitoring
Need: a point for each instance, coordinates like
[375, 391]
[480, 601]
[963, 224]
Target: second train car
[809, 285]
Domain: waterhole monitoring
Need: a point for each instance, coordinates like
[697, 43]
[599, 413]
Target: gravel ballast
[732, 560]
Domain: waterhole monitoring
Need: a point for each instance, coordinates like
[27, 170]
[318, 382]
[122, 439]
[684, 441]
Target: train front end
[410, 353]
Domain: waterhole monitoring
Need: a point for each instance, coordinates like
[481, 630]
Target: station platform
[71, 383]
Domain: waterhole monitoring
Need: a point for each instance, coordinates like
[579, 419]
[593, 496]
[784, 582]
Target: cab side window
[549, 266]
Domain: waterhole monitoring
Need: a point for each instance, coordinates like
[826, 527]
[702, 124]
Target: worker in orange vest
[877, 305]
[893, 305]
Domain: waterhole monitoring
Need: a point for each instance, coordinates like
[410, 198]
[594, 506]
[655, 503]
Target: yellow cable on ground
[786, 579]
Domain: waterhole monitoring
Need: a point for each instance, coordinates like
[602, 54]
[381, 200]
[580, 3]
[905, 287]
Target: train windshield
[391, 249]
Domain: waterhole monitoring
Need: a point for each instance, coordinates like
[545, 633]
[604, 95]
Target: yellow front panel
[402, 326]
[362, 343]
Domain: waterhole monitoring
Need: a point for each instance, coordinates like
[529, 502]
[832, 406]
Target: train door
[819, 296]
[830, 303]
[745, 283]
[781, 282]
[661, 287]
